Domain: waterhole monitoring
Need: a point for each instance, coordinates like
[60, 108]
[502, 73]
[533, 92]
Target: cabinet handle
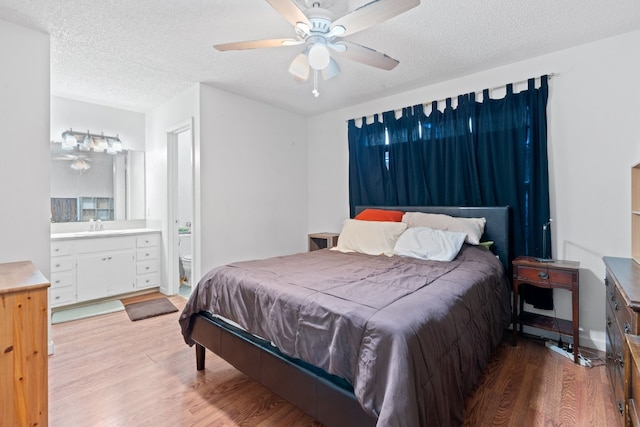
[58, 297]
[627, 328]
[616, 306]
[146, 254]
[109, 258]
[620, 407]
[56, 250]
[543, 275]
[608, 321]
[57, 265]
[609, 357]
[606, 281]
[612, 296]
[57, 281]
[146, 268]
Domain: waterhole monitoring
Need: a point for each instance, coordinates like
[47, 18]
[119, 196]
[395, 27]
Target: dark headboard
[496, 228]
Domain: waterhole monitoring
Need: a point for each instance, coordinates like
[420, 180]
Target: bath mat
[151, 308]
[86, 311]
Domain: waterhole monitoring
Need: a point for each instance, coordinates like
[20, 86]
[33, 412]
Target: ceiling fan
[321, 34]
[78, 163]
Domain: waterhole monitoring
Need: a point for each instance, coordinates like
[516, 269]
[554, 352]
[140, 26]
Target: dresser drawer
[60, 280]
[148, 240]
[148, 280]
[145, 267]
[544, 275]
[147, 253]
[62, 296]
[621, 311]
[61, 264]
[61, 248]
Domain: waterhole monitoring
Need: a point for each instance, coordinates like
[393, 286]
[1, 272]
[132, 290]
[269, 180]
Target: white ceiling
[136, 54]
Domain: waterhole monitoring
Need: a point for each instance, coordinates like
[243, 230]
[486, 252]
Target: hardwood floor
[109, 371]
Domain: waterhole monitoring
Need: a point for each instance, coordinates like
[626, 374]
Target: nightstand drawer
[544, 275]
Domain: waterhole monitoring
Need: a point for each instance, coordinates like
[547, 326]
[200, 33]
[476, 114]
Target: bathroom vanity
[91, 265]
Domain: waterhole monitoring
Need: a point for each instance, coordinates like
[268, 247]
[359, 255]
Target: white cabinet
[89, 268]
[105, 274]
[148, 261]
[63, 284]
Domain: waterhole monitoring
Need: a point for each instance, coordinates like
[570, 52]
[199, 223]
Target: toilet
[186, 265]
[185, 259]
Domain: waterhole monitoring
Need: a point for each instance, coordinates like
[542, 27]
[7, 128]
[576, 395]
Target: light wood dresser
[23, 345]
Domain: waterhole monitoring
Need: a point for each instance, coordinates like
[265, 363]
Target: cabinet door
[122, 273]
[92, 276]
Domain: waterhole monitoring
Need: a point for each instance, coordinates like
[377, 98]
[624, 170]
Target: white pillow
[430, 244]
[369, 237]
[472, 227]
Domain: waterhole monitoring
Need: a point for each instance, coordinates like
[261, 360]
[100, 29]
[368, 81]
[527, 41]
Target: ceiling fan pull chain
[315, 84]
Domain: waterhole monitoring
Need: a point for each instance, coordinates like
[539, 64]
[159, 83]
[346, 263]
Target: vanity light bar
[91, 141]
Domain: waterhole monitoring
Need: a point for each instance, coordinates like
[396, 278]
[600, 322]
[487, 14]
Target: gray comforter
[411, 336]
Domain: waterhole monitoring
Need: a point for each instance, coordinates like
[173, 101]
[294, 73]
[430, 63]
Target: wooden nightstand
[554, 274]
[322, 240]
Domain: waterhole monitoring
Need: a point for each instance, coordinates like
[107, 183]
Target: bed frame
[325, 397]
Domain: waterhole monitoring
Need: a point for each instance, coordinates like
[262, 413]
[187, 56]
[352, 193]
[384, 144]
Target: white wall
[253, 179]
[593, 141]
[24, 164]
[83, 116]
[177, 110]
[250, 167]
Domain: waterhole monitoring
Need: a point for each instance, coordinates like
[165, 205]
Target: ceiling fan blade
[257, 44]
[372, 13]
[300, 67]
[368, 56]
[290, 11]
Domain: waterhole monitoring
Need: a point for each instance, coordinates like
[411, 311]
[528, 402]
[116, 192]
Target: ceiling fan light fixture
[319, 57]
[331, 70]
[80, 165]
[300, 67]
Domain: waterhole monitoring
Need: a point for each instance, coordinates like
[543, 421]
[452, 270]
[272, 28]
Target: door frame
[172, 270]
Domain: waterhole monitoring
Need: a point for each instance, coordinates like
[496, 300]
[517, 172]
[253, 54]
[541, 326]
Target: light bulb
[319, 56]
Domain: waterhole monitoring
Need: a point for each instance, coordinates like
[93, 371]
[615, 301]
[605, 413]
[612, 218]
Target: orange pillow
[380, 215]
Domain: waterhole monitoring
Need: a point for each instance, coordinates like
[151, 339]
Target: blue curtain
[488, 153]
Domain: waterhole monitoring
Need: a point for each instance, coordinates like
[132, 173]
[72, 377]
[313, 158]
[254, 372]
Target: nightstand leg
[514, 322]
[576, 323]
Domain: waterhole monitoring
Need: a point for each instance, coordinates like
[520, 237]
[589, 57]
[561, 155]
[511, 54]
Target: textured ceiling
[136, 54]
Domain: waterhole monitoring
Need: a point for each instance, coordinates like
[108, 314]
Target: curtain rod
[503, 86]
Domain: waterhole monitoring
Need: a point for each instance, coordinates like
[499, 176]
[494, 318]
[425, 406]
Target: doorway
[181, 225]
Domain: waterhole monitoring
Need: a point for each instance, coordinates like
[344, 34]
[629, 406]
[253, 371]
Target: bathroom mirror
[89, 185]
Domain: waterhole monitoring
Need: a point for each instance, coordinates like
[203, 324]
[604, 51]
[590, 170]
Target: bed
[355, 339]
